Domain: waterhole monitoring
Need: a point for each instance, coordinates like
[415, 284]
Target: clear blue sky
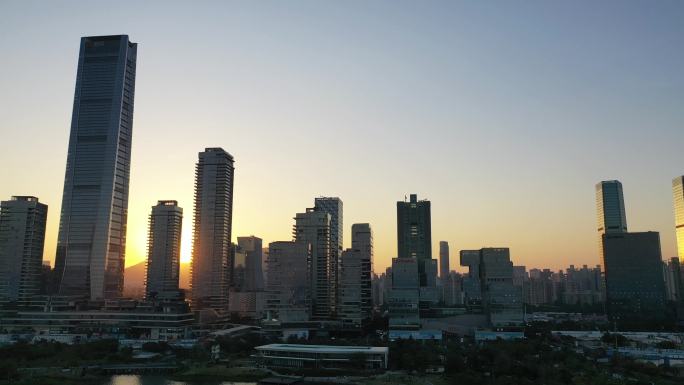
[503, 113]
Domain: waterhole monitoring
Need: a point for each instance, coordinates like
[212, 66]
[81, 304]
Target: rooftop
[323, 348]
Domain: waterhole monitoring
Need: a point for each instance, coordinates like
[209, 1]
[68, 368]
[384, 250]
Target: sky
[504, 114]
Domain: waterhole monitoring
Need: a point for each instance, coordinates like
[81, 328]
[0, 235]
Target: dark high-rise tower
[22, 237]
[333, 206]
[610, 208]
[414, 234]
[313, 228]
[443, 260]
[635, 287]
[92, 230]
[163, 249]
[212, 230]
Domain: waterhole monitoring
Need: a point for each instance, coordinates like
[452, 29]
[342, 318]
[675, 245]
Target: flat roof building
[22, 237]
[321, 356]
[635, 285]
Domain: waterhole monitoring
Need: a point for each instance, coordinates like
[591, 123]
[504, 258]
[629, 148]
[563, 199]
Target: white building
[321, 356]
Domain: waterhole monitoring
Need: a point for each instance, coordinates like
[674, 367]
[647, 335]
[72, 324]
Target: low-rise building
[321, 356]
[164, 320]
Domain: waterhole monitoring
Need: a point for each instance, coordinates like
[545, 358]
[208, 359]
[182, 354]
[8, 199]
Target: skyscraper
[678, 195]
[212, 230]
[163, 249]
[254, 276]
[635, 286]
[288, 296]
[333, 206]
[313, 228]
[472, 289]
[355, 302]
[443, 260]
[22, 237]
[92, 231]
[501, 301]
[414, 234]
[610, 208]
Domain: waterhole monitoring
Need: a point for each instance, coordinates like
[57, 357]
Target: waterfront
[161, 380]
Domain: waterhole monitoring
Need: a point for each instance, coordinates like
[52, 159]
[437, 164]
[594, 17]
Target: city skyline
[471, 208]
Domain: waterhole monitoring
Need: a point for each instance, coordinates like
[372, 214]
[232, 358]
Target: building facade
[288, 290]
[501, 301]
[404, 297]
[443, 260]
[678, 198]
[163, 249]
[610, 210]
[334, 207]
[214, 175]
[472, 288]
[22, 238]
[635, 287]
[414, 233]
[254, 276]
[355, 301]
[92, 231]
[321, 356]
[313, 228]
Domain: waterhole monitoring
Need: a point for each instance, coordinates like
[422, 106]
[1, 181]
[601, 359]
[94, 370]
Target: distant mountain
[134, 277]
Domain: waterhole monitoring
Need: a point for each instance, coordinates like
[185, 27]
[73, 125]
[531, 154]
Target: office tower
[355, 282]
[635, 287]
[678, 195]
[92, 231]
[333, 206]
[610, 208]
[472, 290]
[673, 279]
[288, 295]
[254, 277]
[414, 235]
[22, 237]
[238, 268]
[453, 289]
[163, 249]
[501, 302]
[313, 228]
[212, 230]
[443, 259]
[404, 297]
[47, 285]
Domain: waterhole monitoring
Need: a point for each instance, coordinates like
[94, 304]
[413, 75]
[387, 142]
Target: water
[160, 380]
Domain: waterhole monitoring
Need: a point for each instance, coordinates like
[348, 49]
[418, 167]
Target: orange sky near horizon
[504, 117]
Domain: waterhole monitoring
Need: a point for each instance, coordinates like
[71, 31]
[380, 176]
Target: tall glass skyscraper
[313, 228]
[414, 233]
[92, 230]
[610, 208]
[610, 211]
[213, 222]
[333, 206]
[678, 195]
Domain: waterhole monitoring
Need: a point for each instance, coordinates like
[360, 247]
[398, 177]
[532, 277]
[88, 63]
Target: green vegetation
[531, 361]
[51, 357]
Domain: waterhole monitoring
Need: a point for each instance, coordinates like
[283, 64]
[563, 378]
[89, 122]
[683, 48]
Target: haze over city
[504, 116]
